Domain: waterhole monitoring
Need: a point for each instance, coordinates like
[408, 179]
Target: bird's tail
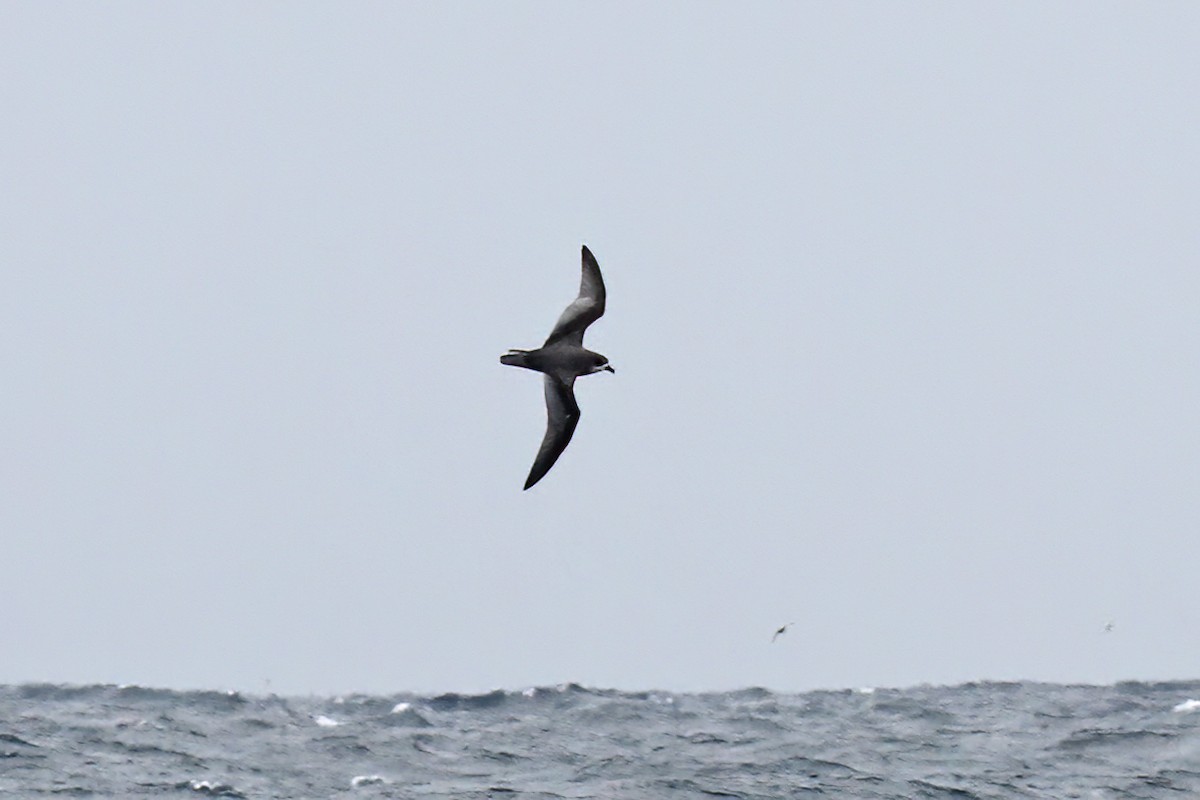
[515, 358]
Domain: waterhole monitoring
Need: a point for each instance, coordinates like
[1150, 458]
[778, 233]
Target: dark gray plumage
[562, 359]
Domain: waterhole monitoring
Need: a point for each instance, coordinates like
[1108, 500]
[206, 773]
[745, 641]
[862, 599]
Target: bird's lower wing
[562, 415]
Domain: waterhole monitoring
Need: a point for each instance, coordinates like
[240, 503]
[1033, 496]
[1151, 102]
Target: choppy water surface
[994, 740]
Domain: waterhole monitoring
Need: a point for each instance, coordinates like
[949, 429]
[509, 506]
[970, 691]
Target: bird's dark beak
[610, 369]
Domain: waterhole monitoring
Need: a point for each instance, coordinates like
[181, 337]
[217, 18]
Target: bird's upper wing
[562, 415]
[586, 309]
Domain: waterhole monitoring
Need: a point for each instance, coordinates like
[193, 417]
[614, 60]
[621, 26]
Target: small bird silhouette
[781, 632]
[1109, 627]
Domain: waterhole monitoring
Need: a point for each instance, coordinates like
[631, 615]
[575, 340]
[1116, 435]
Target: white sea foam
[366, 780]
[1187, 705]
[326, 722]
[867, 690]
[530, 692]
[214, 788]
[400, 708]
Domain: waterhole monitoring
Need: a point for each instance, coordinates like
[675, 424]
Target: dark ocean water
[989, 740]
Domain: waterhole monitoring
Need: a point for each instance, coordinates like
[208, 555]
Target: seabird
[562, 359]
[781, 632]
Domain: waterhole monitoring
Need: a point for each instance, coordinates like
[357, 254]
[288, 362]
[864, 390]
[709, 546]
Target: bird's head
[601, 365]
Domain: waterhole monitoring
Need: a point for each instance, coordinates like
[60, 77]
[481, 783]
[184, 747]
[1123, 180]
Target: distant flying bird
[1109, 626]
[563, 359]
[781, 632]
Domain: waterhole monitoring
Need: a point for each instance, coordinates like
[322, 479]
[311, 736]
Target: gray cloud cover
[902, 299]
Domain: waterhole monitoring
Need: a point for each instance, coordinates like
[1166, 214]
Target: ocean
[979, 740]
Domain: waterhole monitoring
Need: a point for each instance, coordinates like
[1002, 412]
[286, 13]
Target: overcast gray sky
[902, 298]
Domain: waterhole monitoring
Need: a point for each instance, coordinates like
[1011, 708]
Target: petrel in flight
[562, 359]
[781, 632]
